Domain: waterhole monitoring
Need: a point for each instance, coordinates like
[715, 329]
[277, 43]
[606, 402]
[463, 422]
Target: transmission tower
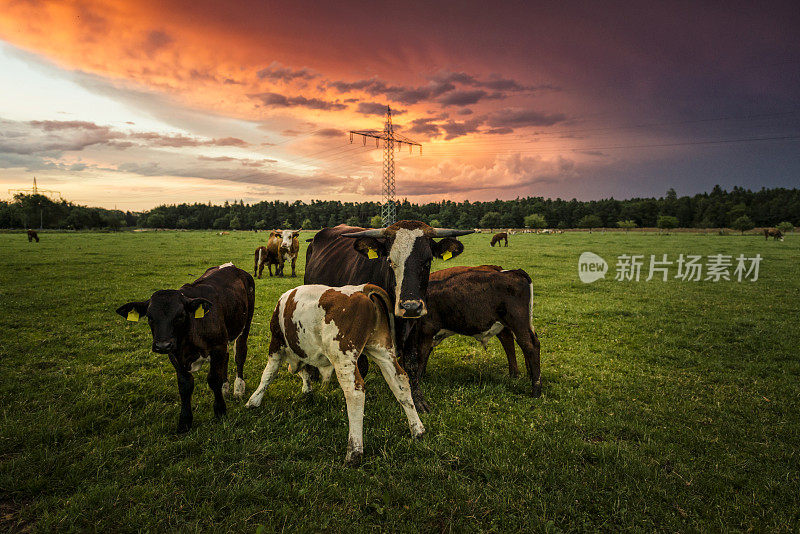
[390, 140]
[36, 191]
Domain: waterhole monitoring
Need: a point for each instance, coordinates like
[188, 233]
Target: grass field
[668, 406]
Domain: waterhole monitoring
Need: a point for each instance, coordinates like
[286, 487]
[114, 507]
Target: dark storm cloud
[511, 118]
[425, 126]
[282, 101]
[277, 72]
[329, 132]
[376, 108]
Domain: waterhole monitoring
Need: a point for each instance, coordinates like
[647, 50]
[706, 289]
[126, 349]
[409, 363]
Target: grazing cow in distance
[282, 245]
[499, 237]
[194, 324]
[33, 235]
[397, 259]
[328, 328]
[482, 302]
[774, 233]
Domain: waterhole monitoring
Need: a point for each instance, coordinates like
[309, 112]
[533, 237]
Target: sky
[132, 104]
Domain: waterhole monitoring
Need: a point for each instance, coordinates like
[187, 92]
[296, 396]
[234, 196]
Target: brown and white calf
[774, 233]
[282, 245]
[194, 324]
[482, 302]
[502, 236]
[328, 328]
[263, 257]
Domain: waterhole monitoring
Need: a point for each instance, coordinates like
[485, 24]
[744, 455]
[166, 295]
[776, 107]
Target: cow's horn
[372, 232]
[450, 232]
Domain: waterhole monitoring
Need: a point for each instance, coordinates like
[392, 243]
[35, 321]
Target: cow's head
[287, 236]
[168, 312]
[409, 247]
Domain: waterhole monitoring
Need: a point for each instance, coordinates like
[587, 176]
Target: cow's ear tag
[133, 315]
[447, 255]
[199, 312]
[371, 254]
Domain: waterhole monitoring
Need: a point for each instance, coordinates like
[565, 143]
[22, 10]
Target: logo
[591, 267]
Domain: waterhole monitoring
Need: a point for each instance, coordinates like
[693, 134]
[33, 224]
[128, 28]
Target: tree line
[717, 209]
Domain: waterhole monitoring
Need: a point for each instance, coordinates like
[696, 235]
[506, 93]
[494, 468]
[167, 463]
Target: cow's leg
[240, 355]
[217, 376]
[294, 260]
[269, 268]
[353, 388]
[185, 388]
[528, 341]
[411, 363]
[305, 376]
[398, 382]
[507, 340]
[270, 371]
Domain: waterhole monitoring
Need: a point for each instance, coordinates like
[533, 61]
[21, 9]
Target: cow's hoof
[183, 427]
[225, 389]
[238, 388]
[537, 391]
[253, 403]
[417, 433]
[421, 404]
[220, 411]
[353, 458]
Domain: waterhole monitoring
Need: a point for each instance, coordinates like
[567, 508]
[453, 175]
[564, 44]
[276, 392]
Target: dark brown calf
[194, 324]
[499, 237]
[264, 257]
[482, 302]
[33, 235]
[773, 233]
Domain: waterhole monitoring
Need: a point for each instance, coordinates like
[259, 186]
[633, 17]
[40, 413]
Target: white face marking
[229, 264]
[286, 236]
[401, 249]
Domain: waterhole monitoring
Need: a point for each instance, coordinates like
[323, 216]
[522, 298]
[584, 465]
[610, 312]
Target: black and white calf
[329, 328]
[194, 324]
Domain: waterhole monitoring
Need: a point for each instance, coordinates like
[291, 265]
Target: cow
[33, 235]
[774, 233]
[499, 237]
[482, 302]
[328, 328]
[282, 245]
[194, 324]
[263, 257]
[397, 259]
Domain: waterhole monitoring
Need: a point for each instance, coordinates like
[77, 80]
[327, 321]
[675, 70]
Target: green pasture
[667, 406]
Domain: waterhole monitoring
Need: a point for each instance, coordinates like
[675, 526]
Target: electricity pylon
[390, 139]
[36, 191]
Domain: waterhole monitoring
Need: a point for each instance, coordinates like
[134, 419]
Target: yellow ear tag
[133, 315]
[199, 312]
[371, 254]
[447, 255]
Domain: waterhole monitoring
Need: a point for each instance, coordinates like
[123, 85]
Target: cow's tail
[378, 295]
[527, 277]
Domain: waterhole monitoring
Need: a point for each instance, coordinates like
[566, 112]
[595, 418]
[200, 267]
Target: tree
[590, 222]
[627, 225]
[352, 221]
[535, 220]
[436, 223]
[221, 223]
[785, 227]
[235, 223]
[307, 224]
[376, 221]
[156, 220]
[743, 223]
[260, 225]
[665, 222]
[491, 219]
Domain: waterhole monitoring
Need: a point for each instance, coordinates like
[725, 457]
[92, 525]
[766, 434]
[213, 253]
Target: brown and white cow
[282, 245]
[328, 328]
[33, 235]
[263, 257]
[482, 302]
[499, 237]
[774, 233]
[194, 324]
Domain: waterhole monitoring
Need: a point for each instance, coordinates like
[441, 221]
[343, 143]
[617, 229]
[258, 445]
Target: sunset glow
[135, 104]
